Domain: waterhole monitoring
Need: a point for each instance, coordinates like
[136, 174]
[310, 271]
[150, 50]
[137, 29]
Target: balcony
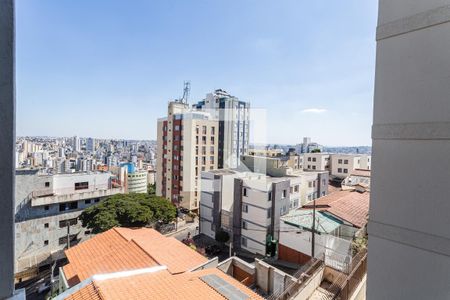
[53, 196]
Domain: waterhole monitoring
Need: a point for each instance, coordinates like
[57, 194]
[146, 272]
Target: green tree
[151, 189]
[222, 236]
[127, 210]
[315, 150]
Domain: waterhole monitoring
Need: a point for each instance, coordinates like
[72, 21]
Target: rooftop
[160, 284]
[349, 206]
[304, 218]
[121, 249]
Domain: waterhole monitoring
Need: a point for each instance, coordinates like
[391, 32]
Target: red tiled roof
[350, 206]
[121, 249]
[158, 286]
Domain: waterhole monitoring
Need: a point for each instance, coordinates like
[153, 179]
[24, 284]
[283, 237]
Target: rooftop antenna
[186, 92]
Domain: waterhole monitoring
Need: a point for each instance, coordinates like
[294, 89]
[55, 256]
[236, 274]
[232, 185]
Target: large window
[71, 222]
[63, 240]
[68, 206]
[81, 185]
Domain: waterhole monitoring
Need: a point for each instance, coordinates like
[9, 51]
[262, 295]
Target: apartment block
[234, 125]
[316, 161]
[246, 205]
[187, 145]
[343, 164]
[314, 184]
[47, 210]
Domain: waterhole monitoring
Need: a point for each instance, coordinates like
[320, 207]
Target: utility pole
[313, 239]
[68, 234]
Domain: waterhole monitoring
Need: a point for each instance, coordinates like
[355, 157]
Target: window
[97, 200]
[313, 167]
[270, 196]
[309, 158]
[284, 193]
[245, 208]
[314, 159]
[81, 185]
[296, 188]
[68, 206]
[204, 139]
[47, 184]
[46, 225]
[310, 183]
[87, 201]
[346, 162]
[87, 232]
[339, 170]
[339, 161]
[46, 243]
[177, 127]
[63, 240]
[244, 225]
[213, 130]
[245, 192]
[212, 140]
[71, 222]
[269, 213]
[204, 129]
[46, 207]
[244, 242]
[345, 170]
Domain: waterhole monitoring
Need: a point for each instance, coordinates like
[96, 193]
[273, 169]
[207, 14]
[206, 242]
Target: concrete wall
[409, 240]
[7, 148]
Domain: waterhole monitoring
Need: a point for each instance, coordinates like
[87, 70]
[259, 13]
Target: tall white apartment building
[343, 164]
[187, 145]
[76, 144]
[234, 125]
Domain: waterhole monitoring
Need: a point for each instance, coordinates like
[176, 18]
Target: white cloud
[314, 111]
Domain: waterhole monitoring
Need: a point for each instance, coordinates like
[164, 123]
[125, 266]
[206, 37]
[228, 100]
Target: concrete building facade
[47, 208]
[409, 237]
[137, 182]
[343, 164]
[234, 125]
[316, 161]
[187, 145]
[246, 205]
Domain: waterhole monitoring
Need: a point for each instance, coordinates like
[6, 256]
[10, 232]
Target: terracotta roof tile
[350, 206]
[163, 285]
[121, 249]
[89, 292]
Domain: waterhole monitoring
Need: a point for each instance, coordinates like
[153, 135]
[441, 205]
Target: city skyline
[112, 74]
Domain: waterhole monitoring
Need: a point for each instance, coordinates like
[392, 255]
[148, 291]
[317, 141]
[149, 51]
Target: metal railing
[300, 278]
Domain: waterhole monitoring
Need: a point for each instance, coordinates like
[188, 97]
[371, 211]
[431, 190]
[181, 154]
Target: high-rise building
[187, 145]
[90, 145]
[234, 123]
[76, 144]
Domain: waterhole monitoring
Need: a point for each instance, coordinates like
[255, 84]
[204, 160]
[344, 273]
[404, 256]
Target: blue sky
[107, 68]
